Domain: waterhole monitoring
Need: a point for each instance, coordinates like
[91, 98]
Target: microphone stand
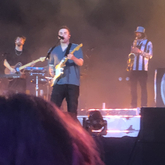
[46, 58]
[48, 55]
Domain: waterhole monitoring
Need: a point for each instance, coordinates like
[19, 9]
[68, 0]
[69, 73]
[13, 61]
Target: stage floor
[120, 124]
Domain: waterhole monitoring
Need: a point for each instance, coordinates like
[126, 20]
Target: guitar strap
[66, 53]
[68, 48]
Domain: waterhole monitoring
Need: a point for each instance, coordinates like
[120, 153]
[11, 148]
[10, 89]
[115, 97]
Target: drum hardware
[37, 72]
[36, 81]
[38, 77]
[40, 81]
[39, 69]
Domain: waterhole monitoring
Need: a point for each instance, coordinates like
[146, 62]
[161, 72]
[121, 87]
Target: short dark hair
[65, 27]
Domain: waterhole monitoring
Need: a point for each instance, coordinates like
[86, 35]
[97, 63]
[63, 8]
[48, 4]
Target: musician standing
[11, 59]
[67, 85]
[143, 51]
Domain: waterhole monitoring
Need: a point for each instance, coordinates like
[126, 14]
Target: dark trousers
[69, 92]
[141, 78]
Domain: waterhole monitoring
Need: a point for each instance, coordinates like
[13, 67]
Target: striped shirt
[141, 62]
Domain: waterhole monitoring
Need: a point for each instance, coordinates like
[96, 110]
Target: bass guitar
[59, 67]
[19, 67]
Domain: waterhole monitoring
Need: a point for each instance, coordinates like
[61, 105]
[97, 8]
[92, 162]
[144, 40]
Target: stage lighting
[95, 124]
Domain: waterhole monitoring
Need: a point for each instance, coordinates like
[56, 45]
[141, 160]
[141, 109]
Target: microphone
[61, 37]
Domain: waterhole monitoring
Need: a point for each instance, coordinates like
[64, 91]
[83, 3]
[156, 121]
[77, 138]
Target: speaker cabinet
[152, 125]
[151, 143]
[159, 87]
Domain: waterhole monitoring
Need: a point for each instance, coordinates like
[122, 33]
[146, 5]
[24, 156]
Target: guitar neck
[73, 51]
[24, 66]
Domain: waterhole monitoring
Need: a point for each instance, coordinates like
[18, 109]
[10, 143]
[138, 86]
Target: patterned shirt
[141, 62]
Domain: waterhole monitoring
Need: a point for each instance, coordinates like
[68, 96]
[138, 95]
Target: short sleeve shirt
[13, 57]
[71, 70]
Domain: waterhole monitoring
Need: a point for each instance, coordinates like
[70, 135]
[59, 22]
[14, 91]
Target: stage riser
[119, 126]
[126, 112]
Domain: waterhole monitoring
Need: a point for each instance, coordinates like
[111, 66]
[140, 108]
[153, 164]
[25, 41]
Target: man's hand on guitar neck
[77, 61]
[71, 56]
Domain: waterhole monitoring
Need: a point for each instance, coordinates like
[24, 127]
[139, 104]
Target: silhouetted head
[34, 132]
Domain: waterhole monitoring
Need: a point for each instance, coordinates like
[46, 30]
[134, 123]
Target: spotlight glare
[95, 123]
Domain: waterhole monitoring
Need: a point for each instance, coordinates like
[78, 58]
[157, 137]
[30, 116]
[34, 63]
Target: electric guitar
[18, 67]
[59, 67]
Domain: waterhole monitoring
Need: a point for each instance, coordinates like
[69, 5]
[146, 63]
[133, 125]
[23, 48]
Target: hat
[140, 29]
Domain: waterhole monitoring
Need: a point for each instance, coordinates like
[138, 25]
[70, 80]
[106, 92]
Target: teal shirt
[71, 70]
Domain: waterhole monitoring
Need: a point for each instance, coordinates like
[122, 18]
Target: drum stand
[36, 88]
[37, 78]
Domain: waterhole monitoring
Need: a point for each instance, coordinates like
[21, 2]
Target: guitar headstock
[42, 59]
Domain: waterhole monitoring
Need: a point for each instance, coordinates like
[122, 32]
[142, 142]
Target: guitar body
[59, 70]
[16, 67]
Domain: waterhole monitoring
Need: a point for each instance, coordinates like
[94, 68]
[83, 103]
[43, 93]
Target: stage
[120, 122]
[137, 138]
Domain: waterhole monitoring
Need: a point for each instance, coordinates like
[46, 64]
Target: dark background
[106, 29]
